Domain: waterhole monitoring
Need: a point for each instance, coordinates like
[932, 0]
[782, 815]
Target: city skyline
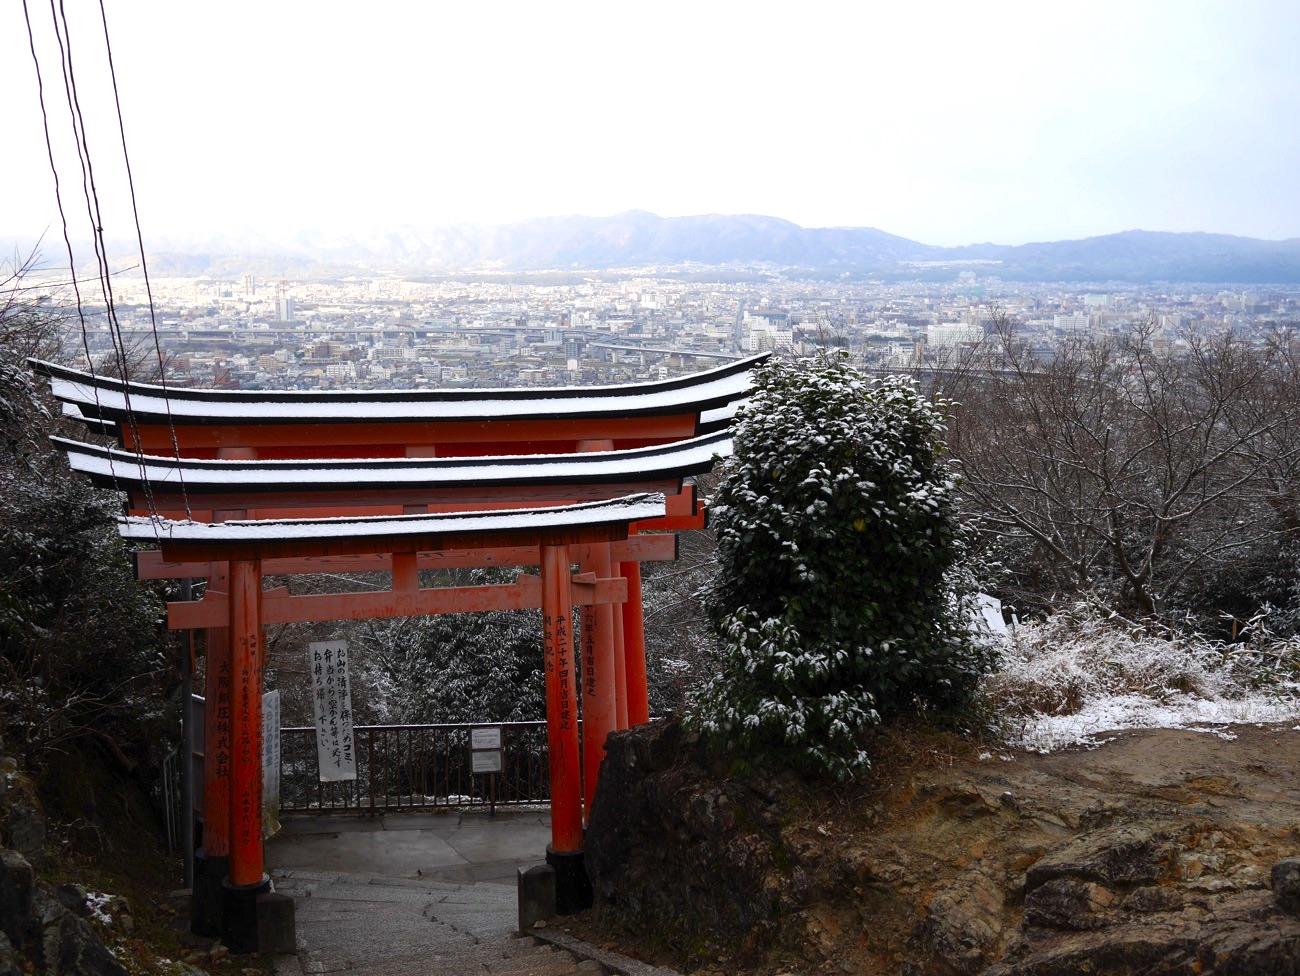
[946, 125]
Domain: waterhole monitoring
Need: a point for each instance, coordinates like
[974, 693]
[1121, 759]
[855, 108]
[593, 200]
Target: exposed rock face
[1162, 852]
[714, 837]
[41, 924]
[27, 833]
[1286, 884]
[17, 882]
[71, 948]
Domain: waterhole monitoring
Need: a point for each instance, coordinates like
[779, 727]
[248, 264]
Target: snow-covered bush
[837, 531]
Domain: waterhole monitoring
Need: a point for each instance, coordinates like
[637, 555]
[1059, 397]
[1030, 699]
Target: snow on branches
[837, 535]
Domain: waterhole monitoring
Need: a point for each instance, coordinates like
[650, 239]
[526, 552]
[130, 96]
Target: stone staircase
[380, 926]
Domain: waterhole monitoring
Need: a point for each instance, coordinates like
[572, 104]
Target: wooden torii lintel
[279, 607]
[659, 547]
[173, 487]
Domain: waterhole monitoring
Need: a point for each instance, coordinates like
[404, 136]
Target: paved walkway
[452, 847]
[419, 894]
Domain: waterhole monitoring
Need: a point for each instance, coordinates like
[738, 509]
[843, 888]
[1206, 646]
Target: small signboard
[487, 738]
[485, 749]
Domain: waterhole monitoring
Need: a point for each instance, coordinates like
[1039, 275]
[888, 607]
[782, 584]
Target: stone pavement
[420, 894]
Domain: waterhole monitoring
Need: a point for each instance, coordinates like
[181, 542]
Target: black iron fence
[403, 767]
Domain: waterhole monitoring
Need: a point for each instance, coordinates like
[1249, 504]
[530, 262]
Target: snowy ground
[1090, 725]
[1075, 678]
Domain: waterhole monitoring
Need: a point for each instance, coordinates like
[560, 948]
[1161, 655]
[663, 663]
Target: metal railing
[401, 767]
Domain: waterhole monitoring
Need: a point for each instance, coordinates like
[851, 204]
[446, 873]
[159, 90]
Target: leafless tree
[1127, 465]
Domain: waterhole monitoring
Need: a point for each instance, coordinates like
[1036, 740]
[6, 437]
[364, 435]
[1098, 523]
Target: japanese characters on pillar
[588, 654]
[248, 746]
[217, 719]
[559, 661]
[221, 753]
[561, 701]
[332, 701]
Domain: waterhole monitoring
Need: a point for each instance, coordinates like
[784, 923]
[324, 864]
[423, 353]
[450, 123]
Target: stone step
[532, 957]
[527, 959]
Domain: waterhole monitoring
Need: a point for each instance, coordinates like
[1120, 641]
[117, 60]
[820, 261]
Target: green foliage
[80, 641]
[837, 537]
[469, 667]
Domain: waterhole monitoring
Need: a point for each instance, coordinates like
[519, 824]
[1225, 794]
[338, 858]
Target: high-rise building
[283, 303]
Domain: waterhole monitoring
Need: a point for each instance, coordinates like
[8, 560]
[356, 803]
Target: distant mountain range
[638, 239]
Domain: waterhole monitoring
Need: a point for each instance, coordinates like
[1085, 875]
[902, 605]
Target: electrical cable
[94, 213]
[63, 38]
[144, 267]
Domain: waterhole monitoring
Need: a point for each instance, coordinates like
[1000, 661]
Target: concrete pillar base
[536, 895]
[206, 895]
[572, 886]
[239, 916]
[276, 925]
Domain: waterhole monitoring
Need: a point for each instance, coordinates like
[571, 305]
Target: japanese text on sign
[332, 700]
[485, 749]
[270, 763]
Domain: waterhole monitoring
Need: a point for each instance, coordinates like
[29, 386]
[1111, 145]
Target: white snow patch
[630, 508]
[1047, 733]
[1076, 677]
[96, 903]
[639, 463]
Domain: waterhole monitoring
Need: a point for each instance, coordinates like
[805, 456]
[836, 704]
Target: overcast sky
[945, 122]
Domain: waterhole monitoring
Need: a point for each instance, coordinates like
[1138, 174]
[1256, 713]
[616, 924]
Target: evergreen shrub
[838, 536]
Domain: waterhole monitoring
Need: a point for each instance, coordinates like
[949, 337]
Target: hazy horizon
[949, 125]
[52, 242]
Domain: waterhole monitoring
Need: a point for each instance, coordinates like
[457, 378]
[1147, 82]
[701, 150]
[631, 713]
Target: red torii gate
[396, 477]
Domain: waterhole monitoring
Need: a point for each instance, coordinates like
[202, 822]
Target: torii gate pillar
[599, 679]
[565, 851]
[210, 863]
[637, 686]
[246, 879]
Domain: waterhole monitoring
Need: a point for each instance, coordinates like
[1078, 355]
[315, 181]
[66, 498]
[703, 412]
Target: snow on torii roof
[253, 538]
[711, 394]
[124, 469]
[629, 508]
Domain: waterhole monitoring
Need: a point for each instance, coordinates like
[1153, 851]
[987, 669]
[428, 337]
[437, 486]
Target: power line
[63, 39]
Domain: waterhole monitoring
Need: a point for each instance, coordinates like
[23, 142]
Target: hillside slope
[1154, 852]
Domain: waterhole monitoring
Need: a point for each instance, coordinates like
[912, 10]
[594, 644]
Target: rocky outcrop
[1162, 852]
[657, 785]
[1117, 899]
[48, 927]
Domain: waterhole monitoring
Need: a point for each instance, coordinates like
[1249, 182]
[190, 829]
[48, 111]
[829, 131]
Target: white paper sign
[485, 749]
[489, 738]
[332, 701]
[270, 764]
